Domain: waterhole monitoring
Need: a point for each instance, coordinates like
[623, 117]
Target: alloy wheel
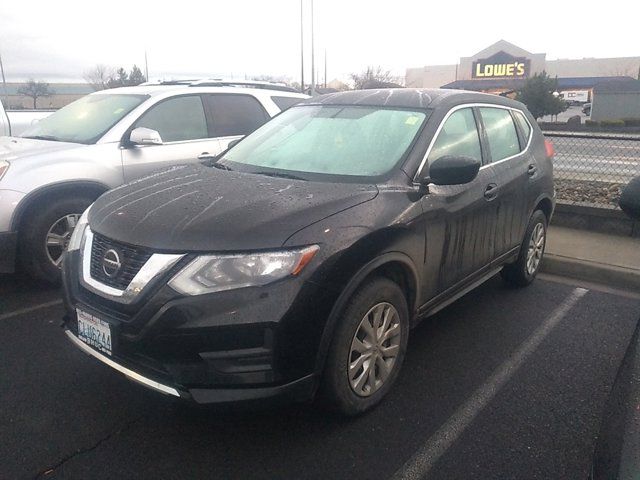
[374, 349]
[58, 237]
[536, 248]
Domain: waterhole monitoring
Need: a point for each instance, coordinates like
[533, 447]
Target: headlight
[78, 231]
[4, 166]
[215, 273]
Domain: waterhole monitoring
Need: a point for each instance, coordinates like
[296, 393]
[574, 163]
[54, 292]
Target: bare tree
[35, 90]
[374, 77]
[272, 78]
[99, 77]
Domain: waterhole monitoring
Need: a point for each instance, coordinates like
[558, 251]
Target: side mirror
[233, 143]
[145, 136]
[630, 199]
[453, 170]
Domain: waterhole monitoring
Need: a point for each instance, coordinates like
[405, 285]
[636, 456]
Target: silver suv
[56, 169]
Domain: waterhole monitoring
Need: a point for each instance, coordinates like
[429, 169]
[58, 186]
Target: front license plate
[94, 332]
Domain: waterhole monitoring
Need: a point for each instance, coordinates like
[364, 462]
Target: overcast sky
[59, 40]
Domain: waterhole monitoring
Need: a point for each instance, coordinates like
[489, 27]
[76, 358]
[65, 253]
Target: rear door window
[235, 114]
[458, 137]
[501, 133]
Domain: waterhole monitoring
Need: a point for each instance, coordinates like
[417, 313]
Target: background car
[298, 261]
[57, 168]
[617, 452]
[17, 121]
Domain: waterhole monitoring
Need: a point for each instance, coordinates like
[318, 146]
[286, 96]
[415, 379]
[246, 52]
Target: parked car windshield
[329, 139]
[86, 120]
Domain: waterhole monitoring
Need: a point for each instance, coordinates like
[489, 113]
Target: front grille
[131, 258]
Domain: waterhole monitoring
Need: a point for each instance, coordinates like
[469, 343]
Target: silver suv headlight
[78, 231]
[215, 273]
[4, 166]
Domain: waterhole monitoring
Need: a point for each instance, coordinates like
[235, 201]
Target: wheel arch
[396, 266]
[545, 204]
[76, 188]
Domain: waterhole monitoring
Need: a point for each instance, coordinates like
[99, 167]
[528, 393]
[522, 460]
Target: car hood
[14, 148]
[199, 208]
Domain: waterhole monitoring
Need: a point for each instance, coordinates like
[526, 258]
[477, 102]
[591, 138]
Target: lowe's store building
[503, 68]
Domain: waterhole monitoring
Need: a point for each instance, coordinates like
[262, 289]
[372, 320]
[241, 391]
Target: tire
[378, 295]
[522, 273]
[46, 217]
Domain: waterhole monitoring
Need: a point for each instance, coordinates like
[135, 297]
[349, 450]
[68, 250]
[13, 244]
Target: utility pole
[301, 47]
[146, 67]
[4, 83]
[313, 63]
[325, 68]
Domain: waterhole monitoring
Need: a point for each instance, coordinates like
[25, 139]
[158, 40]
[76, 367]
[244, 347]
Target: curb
[594, 219]
[611, 275]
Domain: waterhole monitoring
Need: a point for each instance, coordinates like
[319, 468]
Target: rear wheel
[524, 270]
[45, 234]
[368, 348]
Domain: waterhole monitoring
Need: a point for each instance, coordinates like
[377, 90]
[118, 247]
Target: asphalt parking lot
[504, 383]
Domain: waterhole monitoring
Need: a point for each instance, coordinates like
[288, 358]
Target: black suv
[297, 262]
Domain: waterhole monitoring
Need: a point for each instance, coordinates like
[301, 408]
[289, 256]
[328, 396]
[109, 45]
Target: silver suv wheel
[58, 237]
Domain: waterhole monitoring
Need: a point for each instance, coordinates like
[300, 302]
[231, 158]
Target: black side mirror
[453, 170]
[630, 199]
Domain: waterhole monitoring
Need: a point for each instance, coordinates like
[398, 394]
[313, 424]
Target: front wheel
[368, 348]
[524, 270]
[45, 234]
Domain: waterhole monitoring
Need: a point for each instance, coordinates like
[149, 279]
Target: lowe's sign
[501, 65]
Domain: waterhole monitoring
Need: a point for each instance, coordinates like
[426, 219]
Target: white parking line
[15, 313]
[423, 460]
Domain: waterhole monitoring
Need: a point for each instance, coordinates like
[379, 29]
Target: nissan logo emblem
[111, 263]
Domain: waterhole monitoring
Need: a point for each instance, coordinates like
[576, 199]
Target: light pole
[4, 82]
[146, 67]
[301, 46]
[313, 63]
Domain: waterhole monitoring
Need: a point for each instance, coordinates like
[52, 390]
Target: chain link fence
[592, 169]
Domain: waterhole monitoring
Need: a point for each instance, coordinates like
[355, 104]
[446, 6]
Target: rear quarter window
[286, 102]
[524, 126]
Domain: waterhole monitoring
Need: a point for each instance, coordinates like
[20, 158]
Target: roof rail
[218, 82]
[244, 84]
[169, 82]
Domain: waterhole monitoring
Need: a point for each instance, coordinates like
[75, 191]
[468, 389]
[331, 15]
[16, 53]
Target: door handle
[532, 170]
[491, 192]
[205, 156]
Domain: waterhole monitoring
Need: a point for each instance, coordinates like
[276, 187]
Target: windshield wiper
[280, 175]
[44, 137]
[217, 165]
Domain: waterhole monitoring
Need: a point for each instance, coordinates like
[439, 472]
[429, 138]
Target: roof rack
[218, 82]
[244, 84]
[169, 82]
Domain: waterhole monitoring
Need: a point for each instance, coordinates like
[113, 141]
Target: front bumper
[298, 390]
[147, 382]
[8, 248]
[249, 344]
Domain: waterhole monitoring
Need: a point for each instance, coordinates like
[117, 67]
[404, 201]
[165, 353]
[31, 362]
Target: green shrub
[591, 123]
[612, 123]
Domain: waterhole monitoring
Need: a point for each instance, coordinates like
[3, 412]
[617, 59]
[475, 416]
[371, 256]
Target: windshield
[85, 120]
[333, 140]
